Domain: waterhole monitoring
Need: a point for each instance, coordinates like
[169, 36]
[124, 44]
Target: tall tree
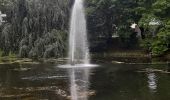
[31, 25]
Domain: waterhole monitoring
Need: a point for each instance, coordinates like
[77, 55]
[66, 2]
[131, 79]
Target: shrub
[159, 48]
[146, 44]
[1, 53]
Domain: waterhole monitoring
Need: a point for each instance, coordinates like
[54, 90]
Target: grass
[124, 53]
[11, 56]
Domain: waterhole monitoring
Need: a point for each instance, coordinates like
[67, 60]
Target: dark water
[109, 81]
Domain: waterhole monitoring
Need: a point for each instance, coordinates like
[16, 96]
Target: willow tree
[28, 24]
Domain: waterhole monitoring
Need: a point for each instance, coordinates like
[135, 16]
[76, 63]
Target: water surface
[107, 82]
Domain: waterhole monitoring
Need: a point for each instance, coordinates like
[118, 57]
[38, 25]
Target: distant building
[137, 30]
[1, 17]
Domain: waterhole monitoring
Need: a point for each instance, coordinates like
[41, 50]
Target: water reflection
[108, 82]
[34, 78]
[168, 67]
[152, 82]
[79, 79]
[38, 83]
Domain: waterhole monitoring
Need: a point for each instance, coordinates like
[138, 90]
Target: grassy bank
[17, 60]
[129, 56]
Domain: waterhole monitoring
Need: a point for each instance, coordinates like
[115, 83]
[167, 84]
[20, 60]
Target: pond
[107, 82]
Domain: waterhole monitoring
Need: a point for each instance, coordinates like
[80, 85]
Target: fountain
[78, 64]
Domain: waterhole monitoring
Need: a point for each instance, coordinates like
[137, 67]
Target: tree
[106, 17]
[159, 10]
[31, 23]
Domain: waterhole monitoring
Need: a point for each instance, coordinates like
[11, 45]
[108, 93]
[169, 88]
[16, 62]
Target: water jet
[79, 61]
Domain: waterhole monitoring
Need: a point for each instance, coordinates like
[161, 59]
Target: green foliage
[29, 30]
[38, 28]
[160, 44]
[106, 17]
[52, 44]
[146, 44]
[124, 36]
[160, 7]
[159, 10]
[159, 48]
[11, 55]
[1, 53]
[146, 18]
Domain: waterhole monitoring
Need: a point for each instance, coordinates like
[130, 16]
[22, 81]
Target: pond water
[108, 82]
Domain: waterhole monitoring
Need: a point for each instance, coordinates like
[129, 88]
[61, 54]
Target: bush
[146, 44]
[11, 55]
[159, 48]
[1, 53]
